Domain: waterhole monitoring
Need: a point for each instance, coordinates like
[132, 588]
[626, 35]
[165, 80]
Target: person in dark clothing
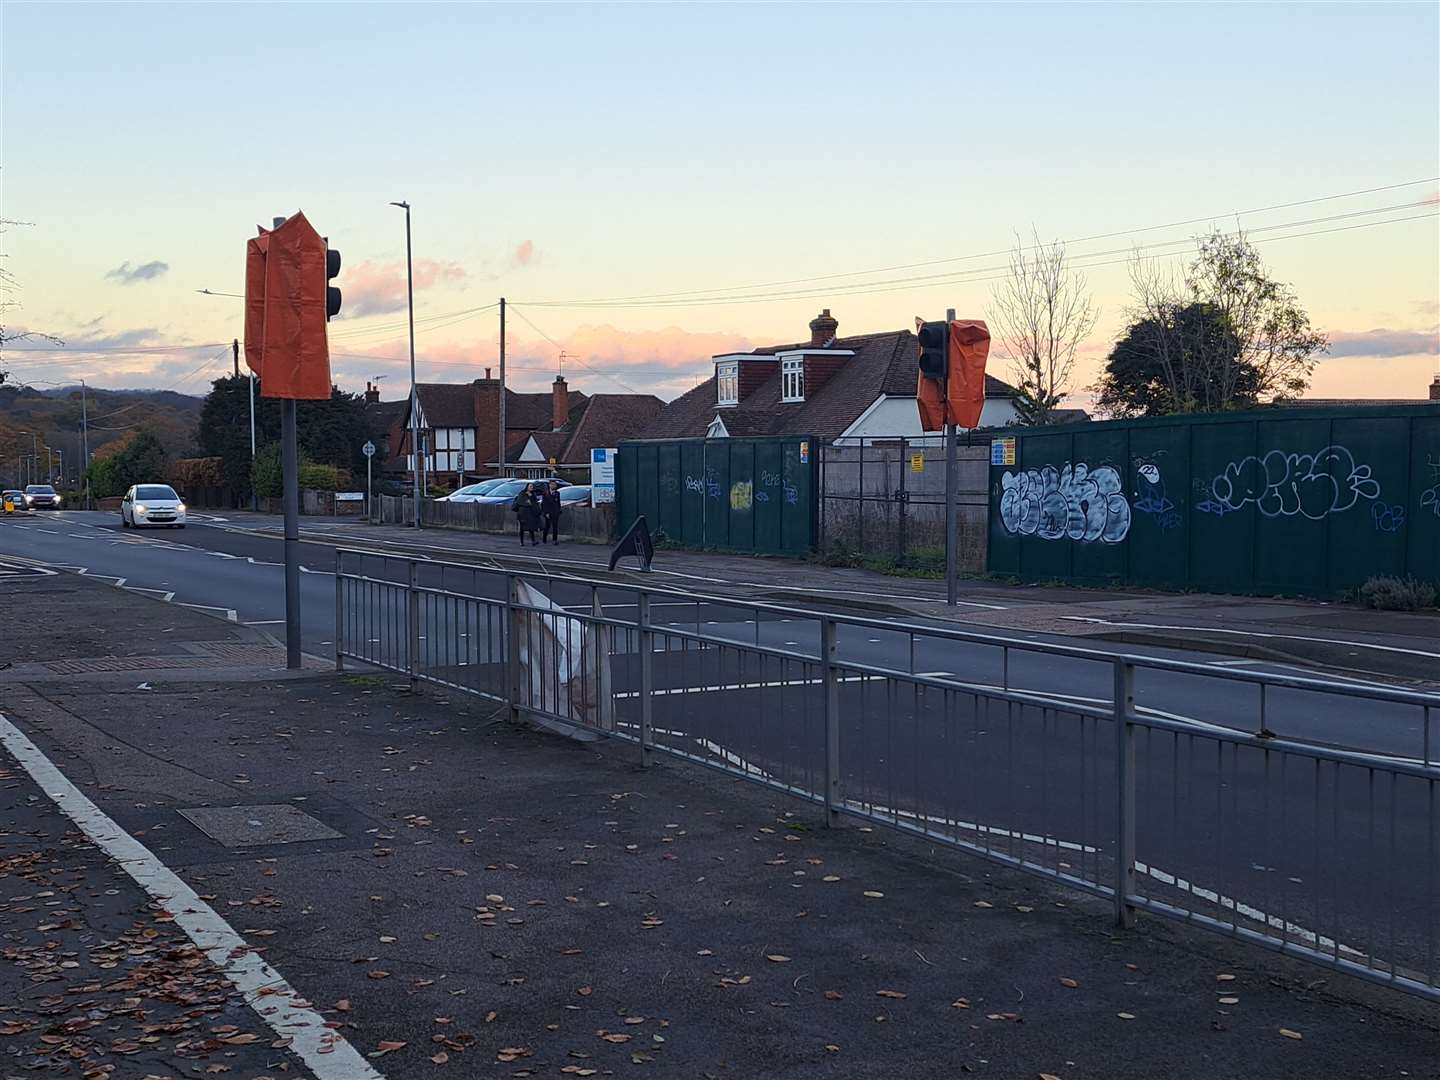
[550, 513]
[527, 509]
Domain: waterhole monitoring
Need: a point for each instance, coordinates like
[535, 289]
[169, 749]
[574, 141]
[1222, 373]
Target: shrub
[1395, 594]
[316, 477]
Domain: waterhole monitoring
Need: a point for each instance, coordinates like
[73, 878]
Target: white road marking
[1254, 634]
[229, 611]
[265, 622]
[327, 1054]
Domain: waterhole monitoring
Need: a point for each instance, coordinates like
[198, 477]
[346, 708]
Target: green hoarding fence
[755, 495]
[1295, 501]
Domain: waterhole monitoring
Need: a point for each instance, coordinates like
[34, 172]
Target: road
[1230, 829]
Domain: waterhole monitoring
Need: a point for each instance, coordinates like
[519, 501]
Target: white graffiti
[1289, 485]
[1076, 503]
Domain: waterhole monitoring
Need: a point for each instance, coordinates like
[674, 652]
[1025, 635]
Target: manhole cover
[255, 826]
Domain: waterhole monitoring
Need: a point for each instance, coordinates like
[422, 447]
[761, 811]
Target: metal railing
[1293, 812]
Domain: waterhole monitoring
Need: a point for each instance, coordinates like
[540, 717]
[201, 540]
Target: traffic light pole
[291, 465]
[952, 512]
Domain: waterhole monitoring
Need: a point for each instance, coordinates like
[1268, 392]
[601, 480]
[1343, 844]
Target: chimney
[1435, 387]
[372, 394]
[487, 374]
[822, 330]
[560, 402]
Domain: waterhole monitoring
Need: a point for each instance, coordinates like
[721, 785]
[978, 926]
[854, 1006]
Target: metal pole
[647, 677]
[290, 462]
[254, 497]
[49, 465]
[414, 396]
[339, 611]
[1124, 707]
[369, 510]
[501, 459]
[85, 442]
[828, 651]
[413, 636]
[235, 353]
[952, 512]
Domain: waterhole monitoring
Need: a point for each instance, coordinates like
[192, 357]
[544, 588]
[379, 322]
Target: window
[727, 384]
[792, 379]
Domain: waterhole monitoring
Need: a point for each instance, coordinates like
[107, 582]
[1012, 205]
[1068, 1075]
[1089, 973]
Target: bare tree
[9, 286]
[1220, 334]
[1040, 312]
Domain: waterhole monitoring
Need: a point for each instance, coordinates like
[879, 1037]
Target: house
[847, 390]
[460, 428]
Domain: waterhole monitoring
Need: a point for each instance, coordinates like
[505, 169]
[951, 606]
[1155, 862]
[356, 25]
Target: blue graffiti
[1151, 498]
[761, 495]
[705, 485]
[792, 494]
[1388, 519]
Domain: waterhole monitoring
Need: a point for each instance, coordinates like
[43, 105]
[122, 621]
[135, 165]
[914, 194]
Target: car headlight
[180, 509]
[139, 508]
[58, 500]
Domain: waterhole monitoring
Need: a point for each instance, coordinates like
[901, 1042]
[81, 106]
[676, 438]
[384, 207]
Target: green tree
[142, 460]
[1225, 335]
[328, 432]
[267, 474]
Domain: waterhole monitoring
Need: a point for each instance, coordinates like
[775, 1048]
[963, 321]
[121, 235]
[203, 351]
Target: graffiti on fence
[1075, 502]
[1387, 518]
[742, 495]
[1150, 498]
[1430, 497]
[704, 485]
[1281, 484]
[792, 494]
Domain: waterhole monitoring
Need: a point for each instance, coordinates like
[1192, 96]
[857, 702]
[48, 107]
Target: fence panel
[1299, 501]
[754, 495]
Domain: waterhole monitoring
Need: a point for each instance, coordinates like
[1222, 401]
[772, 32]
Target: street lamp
[414, 395]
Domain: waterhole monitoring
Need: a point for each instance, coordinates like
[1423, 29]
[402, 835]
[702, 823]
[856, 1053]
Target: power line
[577, 359]
[988, 254]
[882, 285]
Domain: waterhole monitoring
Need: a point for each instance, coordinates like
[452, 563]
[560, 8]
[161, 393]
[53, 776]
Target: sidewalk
[459, 896]
[1333, 637]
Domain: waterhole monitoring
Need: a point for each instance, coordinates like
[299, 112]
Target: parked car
[575, 495]
[506, 492]
[42, 497]
[154, 505]
[470, 491]
[13, 502]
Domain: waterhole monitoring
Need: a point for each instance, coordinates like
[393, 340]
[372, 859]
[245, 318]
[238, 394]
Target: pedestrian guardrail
[1292, 812]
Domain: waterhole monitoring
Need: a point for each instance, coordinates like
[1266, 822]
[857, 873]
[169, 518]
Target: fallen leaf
[1126, 1016]
[440, 1058]
[1224, 978]
[831, 877]
[983, 903]
[832, 1048]
[960, 1003]
[634, 1019]
[377, 974]
[897, 994]
[1049, 1076]
[387, 1047]
[615, 1037]
[834, 995]
[873, 894]
[1071, 983]
[778, 958]
[576, 1070]
[1291, 1034]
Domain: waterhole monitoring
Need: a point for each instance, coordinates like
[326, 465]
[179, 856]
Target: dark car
[12, 501]
[42, 497]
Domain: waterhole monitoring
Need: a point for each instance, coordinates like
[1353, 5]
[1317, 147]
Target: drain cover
[256, 826]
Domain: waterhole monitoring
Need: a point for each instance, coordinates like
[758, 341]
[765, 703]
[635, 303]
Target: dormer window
[792, 378]
[727, 383]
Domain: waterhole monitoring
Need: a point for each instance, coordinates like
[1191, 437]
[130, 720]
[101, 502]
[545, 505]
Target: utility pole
[254, 498]
[952, 512]
[414, 393]
[235, 352]
[501, 458]
[49, 465]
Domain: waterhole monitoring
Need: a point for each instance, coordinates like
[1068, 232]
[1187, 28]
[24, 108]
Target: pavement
[453, 894]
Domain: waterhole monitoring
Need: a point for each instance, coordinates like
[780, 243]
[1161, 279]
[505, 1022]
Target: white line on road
[326, 1052]
[229, 611]
[265, 622]
[1254, 634]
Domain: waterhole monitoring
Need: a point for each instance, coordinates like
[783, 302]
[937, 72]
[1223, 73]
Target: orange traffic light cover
[255, 249]
[294, 351]
[961, 398]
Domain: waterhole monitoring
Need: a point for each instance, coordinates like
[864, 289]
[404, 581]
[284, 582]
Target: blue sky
[556, 152]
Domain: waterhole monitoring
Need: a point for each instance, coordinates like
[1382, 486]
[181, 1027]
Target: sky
[652, 184]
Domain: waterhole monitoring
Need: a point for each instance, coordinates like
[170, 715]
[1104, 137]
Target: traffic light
[933, 350]
[332, 294]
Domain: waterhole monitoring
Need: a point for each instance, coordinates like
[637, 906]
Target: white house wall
[898, 417]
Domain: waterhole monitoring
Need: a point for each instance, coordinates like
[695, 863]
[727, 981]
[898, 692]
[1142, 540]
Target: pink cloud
[523, 255]
[372, 288]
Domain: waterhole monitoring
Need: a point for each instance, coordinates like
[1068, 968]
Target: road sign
[368, 449]
[602, 474]
[917, 462]
[349, 496]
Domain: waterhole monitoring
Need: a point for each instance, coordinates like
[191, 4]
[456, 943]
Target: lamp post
[414, 395]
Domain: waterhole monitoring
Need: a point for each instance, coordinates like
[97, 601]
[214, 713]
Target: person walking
[550, 513]
[527, 509]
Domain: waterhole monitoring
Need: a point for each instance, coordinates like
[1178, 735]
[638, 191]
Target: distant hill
[54, 416]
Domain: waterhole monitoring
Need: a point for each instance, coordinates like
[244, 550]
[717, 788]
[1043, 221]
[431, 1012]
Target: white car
[152, 505]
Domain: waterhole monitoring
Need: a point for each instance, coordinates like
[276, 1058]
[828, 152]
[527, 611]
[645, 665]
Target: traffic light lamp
[332, 294]
[934, 351]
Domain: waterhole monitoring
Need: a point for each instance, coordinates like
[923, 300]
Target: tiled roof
[884, 363]
[536, 412]
[605, 420]
[447, 404]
